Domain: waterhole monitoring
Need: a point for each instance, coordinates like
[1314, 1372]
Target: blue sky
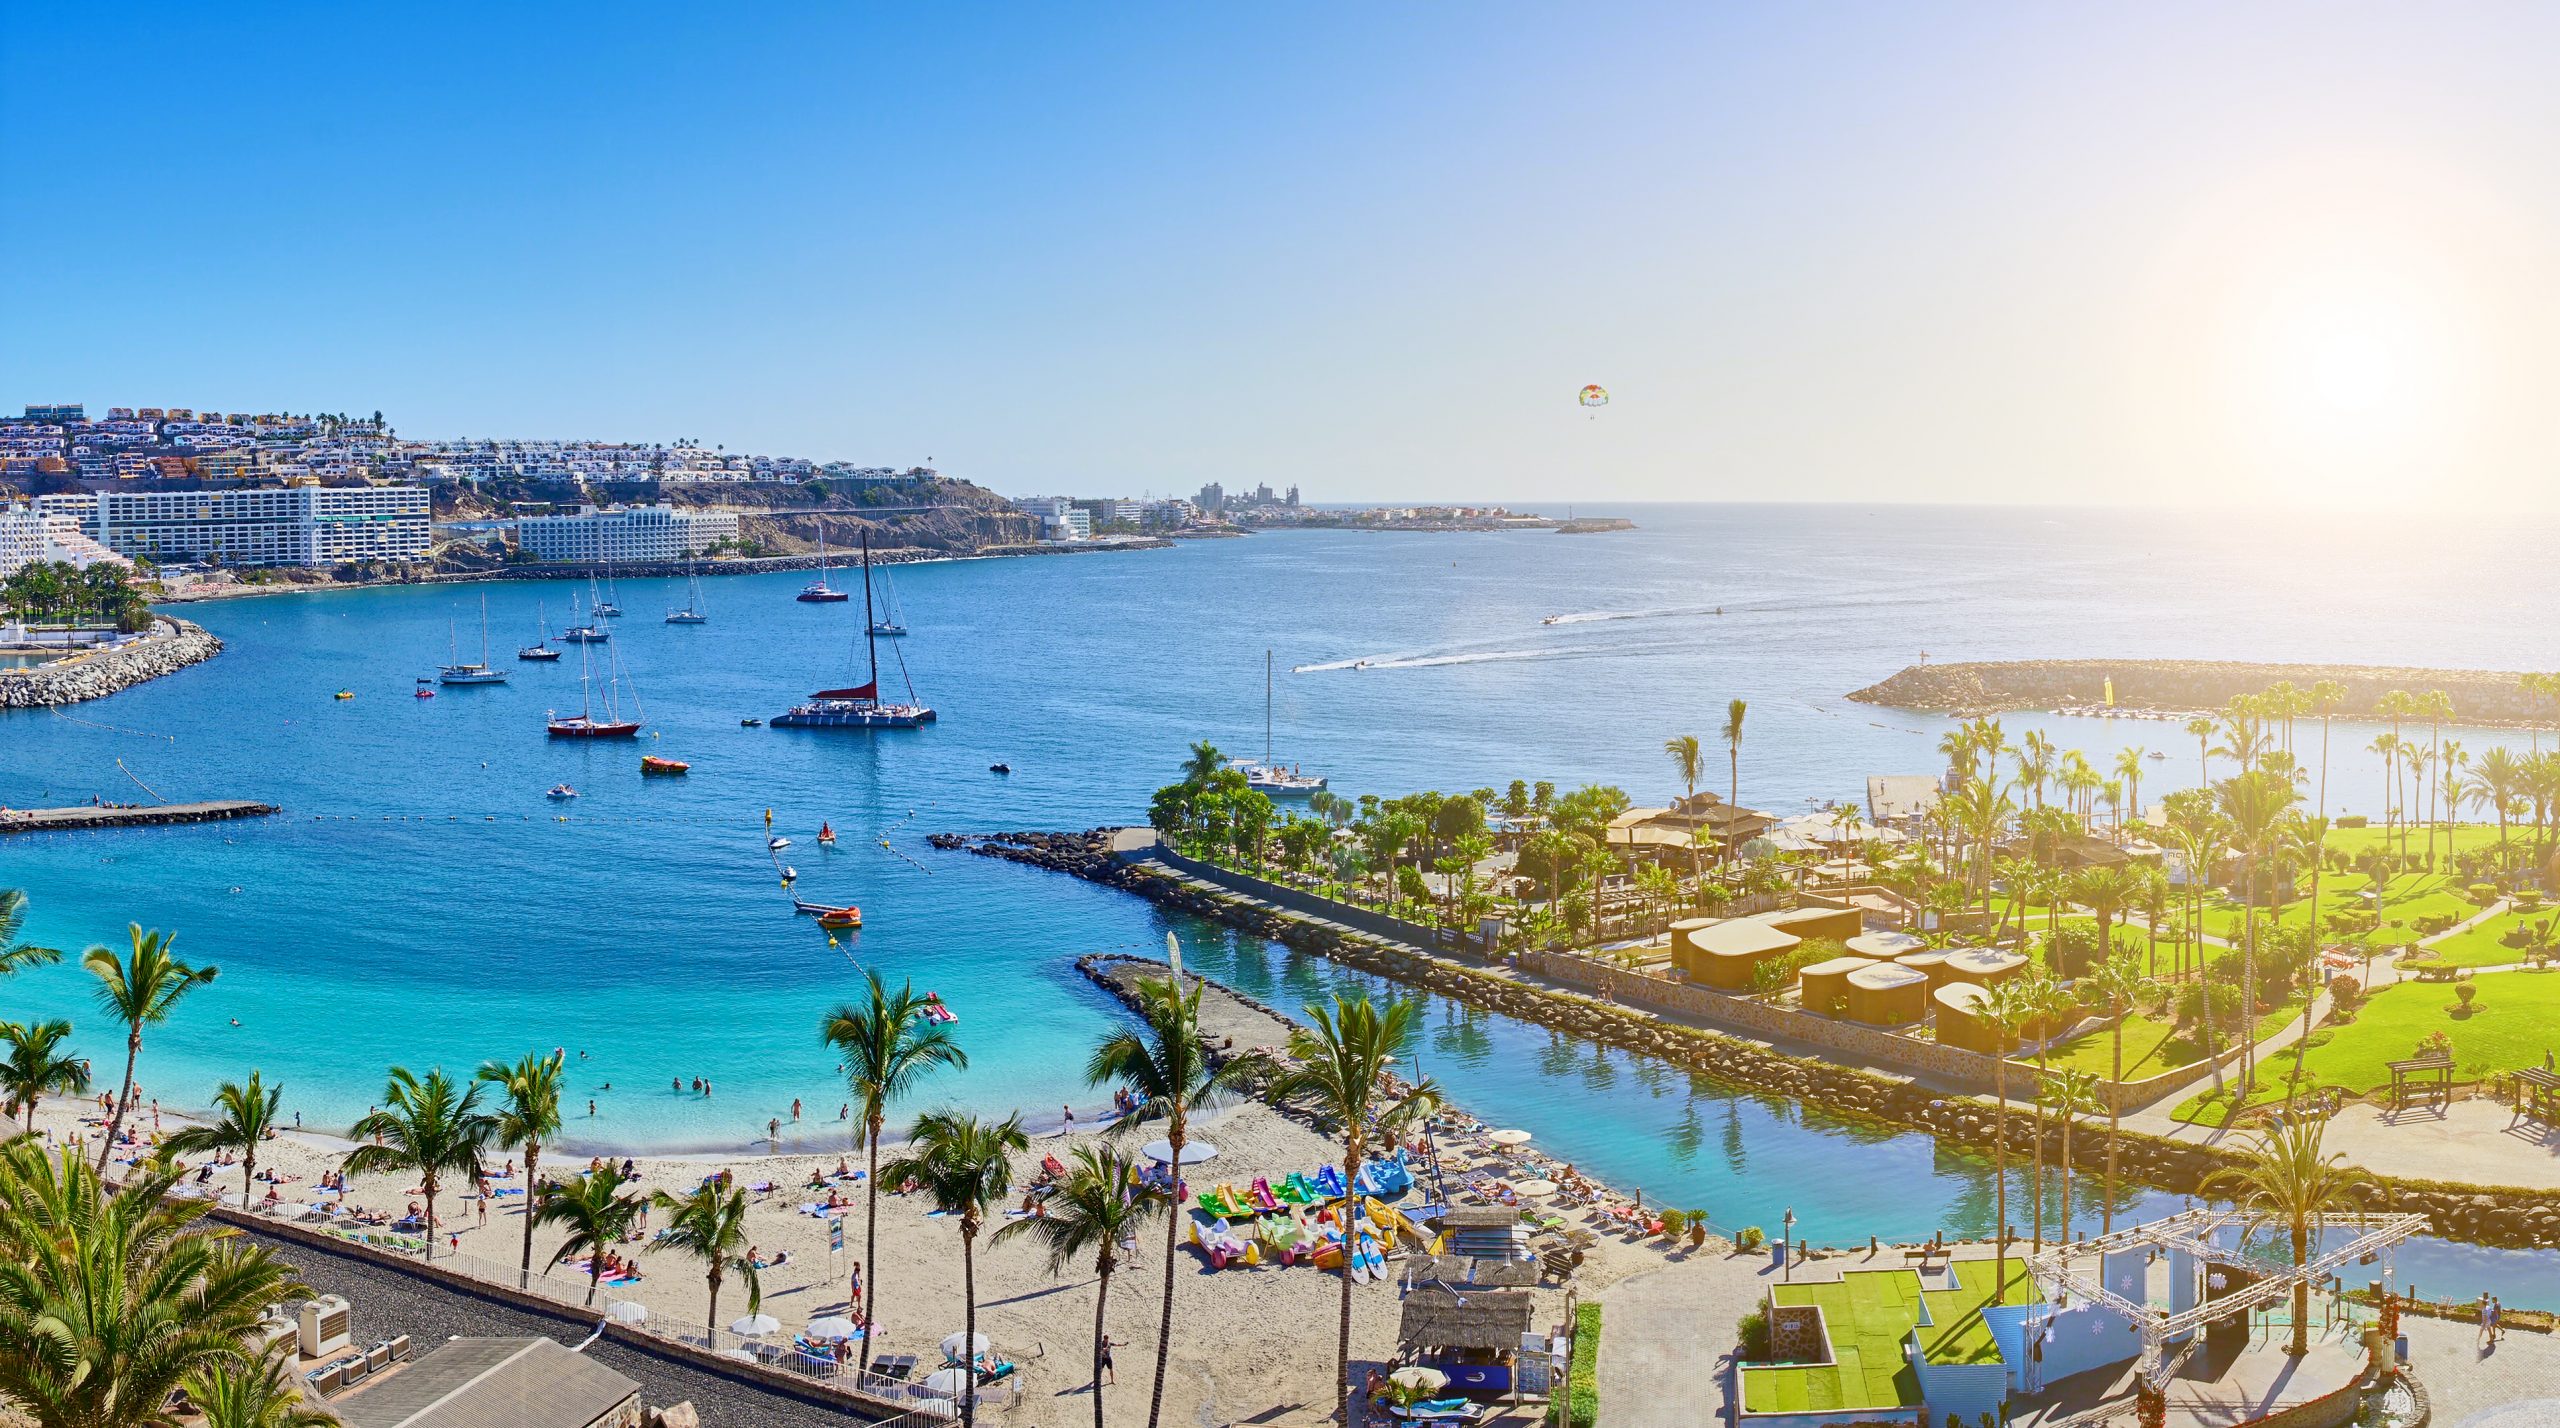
[1959, 252]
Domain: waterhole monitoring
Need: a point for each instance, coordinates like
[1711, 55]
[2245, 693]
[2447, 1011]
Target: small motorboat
[424, 690]
[751, 723]
[1000, 768]
[561, 791]
[345, 694]
[652, 764]
[828, 915]
[933, 1010]
[826, 835]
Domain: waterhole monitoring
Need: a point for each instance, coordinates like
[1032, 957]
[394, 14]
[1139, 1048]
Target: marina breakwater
[171, 646]
[2496, 1216]
[2480, 697]
[143, 815]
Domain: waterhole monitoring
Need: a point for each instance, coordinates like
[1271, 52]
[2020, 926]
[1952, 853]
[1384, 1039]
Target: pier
[142, 815]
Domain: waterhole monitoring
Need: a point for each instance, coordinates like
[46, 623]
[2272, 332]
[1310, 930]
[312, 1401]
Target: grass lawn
[2149, 1048]
[2513, 1020]
[1868, 1314]
[2483, 946]
[2466, 837]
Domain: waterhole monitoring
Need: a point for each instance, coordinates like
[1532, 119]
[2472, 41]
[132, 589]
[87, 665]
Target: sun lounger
[1440, 1410]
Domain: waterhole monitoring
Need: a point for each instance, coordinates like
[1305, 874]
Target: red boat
[586, 724]
[652, 764]
[579, 726]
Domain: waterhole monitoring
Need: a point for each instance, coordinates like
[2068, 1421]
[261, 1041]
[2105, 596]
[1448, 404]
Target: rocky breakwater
[2478, 1214]
[2186, 686]
[171, 646]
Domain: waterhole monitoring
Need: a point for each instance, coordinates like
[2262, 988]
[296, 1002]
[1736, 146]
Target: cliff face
[2479, 696]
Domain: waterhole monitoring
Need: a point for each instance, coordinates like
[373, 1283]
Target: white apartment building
[624, 534]
[301, 525]
[29, 533]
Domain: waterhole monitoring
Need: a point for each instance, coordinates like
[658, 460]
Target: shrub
[2434, 923]
[1752, 1237]
[2434, 1043]
[1579, 1405]
[2071, 948]
[2346, 996]
[2466, 994]
[2350, 820]
[2528, 897]
[1752, 1336]
[2482, 893]
[1674, 1223]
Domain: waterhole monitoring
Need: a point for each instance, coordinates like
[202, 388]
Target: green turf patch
[1869, 1313]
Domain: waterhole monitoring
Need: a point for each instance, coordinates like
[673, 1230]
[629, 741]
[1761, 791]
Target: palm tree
[2105, 891]
[1167, 1069]
[598, 1216]
[430, 1126]
[2503, 777]
[1093, 1208]
[888, 1047]
[2202, 729]
[258, 1392]
[243, 1118]
[1342, 1062]
[2256, 803]
[2324, 699]
[17, 956]
[710, 1225]
[2151, 893]
[114, 1301]
[138, 990]
[2115, 985]
[2286, 1179]
[2035, 763]
[529, 1116]
[2045, 1004]
[2004, 1010]
[2129, 768]
[1689, 757]
[37, 1066]
[2075, 1094]
[1733, 713]
[964, 1166]
[1204, 762]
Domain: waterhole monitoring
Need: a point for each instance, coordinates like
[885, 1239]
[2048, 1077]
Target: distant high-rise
[1212, 498]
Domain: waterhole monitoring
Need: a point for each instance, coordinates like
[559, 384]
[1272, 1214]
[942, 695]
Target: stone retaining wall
[172, 645]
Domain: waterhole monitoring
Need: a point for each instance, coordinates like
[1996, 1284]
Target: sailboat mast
[1266, 708]
[870, 640]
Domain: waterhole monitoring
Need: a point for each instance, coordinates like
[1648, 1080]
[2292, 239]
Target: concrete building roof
[490, 1383]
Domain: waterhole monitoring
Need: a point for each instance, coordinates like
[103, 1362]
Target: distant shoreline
[2168, 689]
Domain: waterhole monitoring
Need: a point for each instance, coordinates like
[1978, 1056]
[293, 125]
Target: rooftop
[1868, 1314]
[489, 1383]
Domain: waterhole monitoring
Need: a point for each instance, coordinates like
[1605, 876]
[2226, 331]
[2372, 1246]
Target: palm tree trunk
[2301, 1294]
[711, 1329]
[1101, 1296]
[969, 1328]
[115, 1121]
[595, 1269]
[2107, 1204]
[1351, 1149]
[2035, 1183]
[524, 1267]
[428, 1183]
[1172, 1228]
[2063, 1235]
[1999, 1154]
[870, 1238]
[248, 1174]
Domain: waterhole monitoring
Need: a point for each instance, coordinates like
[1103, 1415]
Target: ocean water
[420, 902]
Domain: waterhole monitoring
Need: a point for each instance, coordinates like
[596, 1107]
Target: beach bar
[1882, 994]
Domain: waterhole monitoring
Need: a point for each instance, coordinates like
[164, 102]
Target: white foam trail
[1370, 660]
[1585, 617]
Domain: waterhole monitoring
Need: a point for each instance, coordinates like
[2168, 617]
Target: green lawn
[2513, 1021]
[1868, 1314]
[2466, 837]
[2149, 1048]
[2484, 946]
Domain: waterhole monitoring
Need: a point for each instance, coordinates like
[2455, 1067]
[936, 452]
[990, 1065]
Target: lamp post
[1787, 1246]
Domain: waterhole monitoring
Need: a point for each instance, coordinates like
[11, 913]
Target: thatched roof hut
[1436, 1318]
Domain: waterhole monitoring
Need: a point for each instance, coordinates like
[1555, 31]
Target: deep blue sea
[420, 902]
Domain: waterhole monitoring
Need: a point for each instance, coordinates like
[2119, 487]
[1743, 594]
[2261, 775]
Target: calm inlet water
[421, 902]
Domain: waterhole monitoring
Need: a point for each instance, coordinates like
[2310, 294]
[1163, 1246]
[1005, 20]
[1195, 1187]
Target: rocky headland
[2167, 686]
[171, 646]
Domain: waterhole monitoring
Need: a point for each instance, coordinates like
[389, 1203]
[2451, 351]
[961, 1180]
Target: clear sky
[1876, 252]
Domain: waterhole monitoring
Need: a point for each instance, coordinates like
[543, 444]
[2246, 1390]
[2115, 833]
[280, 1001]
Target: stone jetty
[171, 646]
[2166, 686]
[143, 815]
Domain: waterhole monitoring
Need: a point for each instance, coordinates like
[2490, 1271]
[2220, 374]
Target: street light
[1787, 1246]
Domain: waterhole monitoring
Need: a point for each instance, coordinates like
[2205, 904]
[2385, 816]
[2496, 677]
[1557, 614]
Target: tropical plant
[243, 1117]
[139, 989]
[2256, 803]
[2074, 1094]
[110, 1302]
[888, 1046]
[1689, 757]
[2287, 1179]
[964, 1166]
[1098, 1203]
[15, 955]
[529, 1115]
[1342, 1061]
[254, 1392]
[38, 1065]
[1733, 715]
[710, 1224]
[2003, 1009]
[1203, 762]
[431, 1125]
[596, 1214]
[1168, 1072]
[2115, 986]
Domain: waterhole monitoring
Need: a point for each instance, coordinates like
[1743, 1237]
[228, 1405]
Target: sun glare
[2348, 372]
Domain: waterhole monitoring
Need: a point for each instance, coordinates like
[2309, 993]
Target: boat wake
[1425, 659]
[1586, 617]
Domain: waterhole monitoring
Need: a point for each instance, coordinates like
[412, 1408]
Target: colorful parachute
[1595, 395]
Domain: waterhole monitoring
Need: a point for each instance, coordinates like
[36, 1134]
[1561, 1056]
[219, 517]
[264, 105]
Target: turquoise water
[419, 901]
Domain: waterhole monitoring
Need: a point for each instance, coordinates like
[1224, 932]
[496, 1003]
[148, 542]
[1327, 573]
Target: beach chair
[1439, 1410]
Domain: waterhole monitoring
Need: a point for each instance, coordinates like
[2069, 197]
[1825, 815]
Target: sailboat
[1266, 777]
[605, 604]
[541, 648]
[818, 591]
[860, 706]
[481, 673]
[584, 724]
[692, 613]
[587, 633]
[887, 626]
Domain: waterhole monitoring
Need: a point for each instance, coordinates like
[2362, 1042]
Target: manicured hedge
[1578, 1406]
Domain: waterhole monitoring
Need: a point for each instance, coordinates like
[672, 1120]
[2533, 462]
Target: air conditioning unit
[324, 1326]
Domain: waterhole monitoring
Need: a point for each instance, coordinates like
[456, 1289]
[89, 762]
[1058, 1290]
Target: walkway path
[1664, 1337]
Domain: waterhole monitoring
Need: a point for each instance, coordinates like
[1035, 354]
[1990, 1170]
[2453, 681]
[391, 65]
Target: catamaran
[818, 591]
[541, 647]
[692, 613]
[457, 672]
[585, 724]
[860, 707]
[1266, 777]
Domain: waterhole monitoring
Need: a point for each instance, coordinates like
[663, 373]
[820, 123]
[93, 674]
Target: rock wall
[2482, 1215]
[173, 645]
[2178, 686]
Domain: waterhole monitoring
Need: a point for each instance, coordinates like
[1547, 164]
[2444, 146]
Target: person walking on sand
[1104, 1373]
[1069, 1114]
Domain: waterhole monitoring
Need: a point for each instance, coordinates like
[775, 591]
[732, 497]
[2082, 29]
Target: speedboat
[561, 791]
[344, 694]
[887, 629]
[1000, 768]
[423, 691]
[751, 722]
[819, 592]
[1551, 619]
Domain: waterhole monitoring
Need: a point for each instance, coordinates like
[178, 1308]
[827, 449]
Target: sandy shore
[1250, 1343]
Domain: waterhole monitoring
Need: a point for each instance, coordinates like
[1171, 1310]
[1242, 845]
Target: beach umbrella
[627, 1311]
[951, 1347]
[1534, 1187]
[950, 1382]
[1193, 1152]
[754, 1325]
[1509, 1137]
[938, 1407]
[833, 1326]
[1420, 1378]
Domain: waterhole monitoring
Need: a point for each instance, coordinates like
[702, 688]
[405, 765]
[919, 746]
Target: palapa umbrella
[1420, 1378]
[950, 1382]
[1509, 1137]
[754, 1325]
[833, 1326]
[1193, 1151]
[1534, 1187]
[951, 1346]
[627, 1311]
